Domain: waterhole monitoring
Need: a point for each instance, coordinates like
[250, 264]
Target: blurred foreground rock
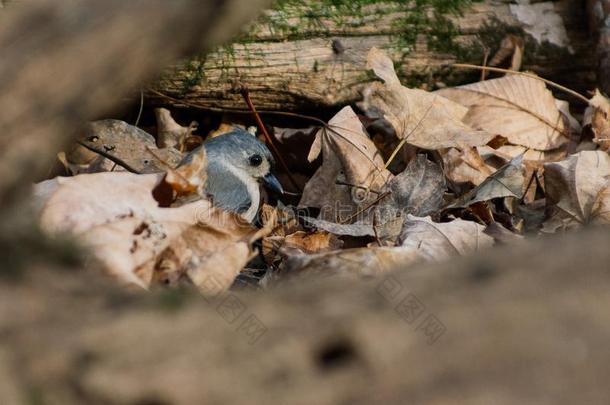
[520, 324]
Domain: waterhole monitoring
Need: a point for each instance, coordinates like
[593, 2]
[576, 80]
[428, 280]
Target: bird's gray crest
[232, 145]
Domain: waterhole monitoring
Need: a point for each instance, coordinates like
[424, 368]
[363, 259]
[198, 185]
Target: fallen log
[301, 58]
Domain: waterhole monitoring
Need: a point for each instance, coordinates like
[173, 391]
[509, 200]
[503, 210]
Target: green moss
[194, 73]
[302, 19]
[299, 19]
[412, 19]
[431, 18]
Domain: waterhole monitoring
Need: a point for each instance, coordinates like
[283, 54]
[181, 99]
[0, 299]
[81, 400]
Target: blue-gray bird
[237, 164]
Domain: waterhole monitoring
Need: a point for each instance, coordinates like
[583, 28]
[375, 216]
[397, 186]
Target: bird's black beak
[273, 184]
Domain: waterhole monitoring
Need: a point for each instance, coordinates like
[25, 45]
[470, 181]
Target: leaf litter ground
[470, 167]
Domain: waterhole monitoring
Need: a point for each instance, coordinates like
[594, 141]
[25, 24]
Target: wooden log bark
[523, 324]
[312, 62]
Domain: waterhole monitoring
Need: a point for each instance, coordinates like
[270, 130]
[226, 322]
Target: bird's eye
[256, 160]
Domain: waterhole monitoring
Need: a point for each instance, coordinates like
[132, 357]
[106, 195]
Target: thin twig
[403, 141]
[529, 184]
[239, 110]
[406, 138]
[500, 70]
[110, 157]
[485, 56]
[141, 108]
[375, 229]
[344, 183]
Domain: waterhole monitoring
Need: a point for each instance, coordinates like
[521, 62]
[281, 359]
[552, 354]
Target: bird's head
[245, 153]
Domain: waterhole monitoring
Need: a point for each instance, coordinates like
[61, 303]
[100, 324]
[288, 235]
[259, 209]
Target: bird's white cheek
[252, 187]
[265, 169]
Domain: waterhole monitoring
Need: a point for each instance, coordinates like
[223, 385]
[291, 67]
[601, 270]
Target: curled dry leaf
[170, 134]
[578, 188]
[126, 142]
[281, 221]
[511, 46]
[312, 242]
[419, 189]
[116, 216]
[350, 159]
[508, 181]
[519, 108]
[465, 165]
[597, 120]
[439, 241]
[427, 120]
[190, 177]
[218, 246]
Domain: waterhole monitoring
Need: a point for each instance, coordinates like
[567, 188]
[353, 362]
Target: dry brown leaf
[597, 119]
[282, 222]
[440, 241]
[508, 181]
[465, 165]
[352, 262]
[220, 248]
[80, 160]
[519, 108]
[577, 187]
[349, 157]
[511, 46]
[170, 134]
[316, 242]
[126, 142]
[304, 242]
[116, 216]
[419, 189]
[190, 177]
[427, 120]
[508, 152]
[222, 129]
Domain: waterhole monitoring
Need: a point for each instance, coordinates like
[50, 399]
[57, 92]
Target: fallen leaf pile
[493, 162]
[139, 242]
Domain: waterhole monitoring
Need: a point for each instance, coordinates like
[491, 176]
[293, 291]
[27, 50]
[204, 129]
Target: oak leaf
[427, 120]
